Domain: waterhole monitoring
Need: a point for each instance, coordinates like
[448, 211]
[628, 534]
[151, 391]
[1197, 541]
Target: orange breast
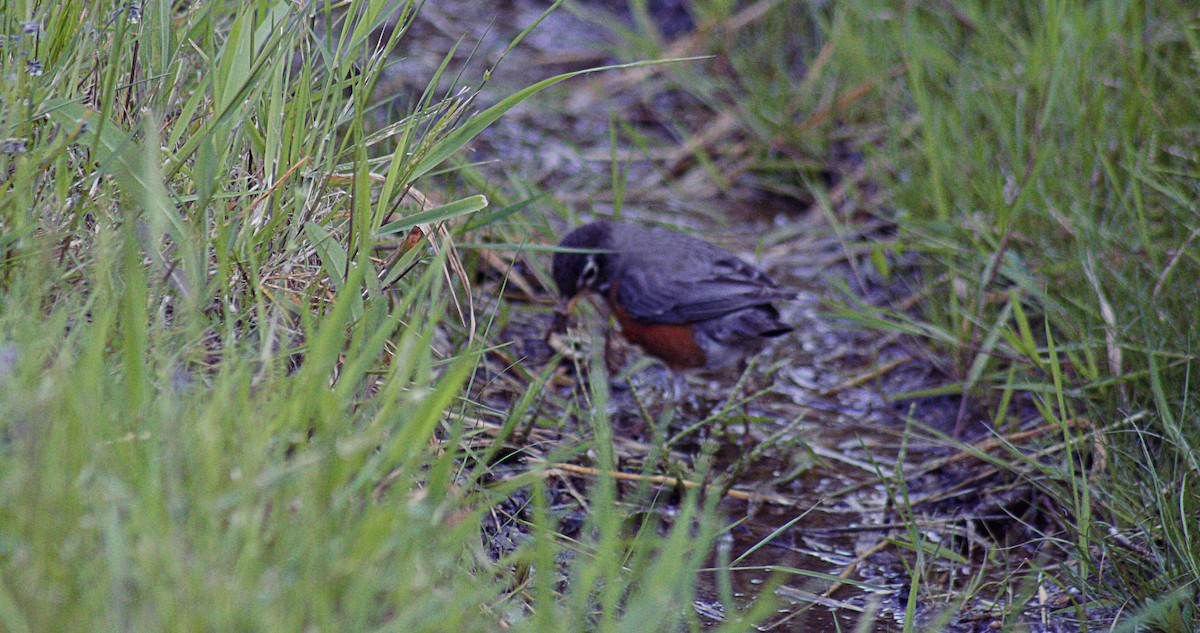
[675, 345]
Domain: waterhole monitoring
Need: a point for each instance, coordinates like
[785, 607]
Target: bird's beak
[562, 316]
[570, 307]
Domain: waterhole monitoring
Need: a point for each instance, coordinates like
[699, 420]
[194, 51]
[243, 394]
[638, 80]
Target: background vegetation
[235, 385]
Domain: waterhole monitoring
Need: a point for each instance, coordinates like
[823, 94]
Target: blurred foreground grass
[231, 391]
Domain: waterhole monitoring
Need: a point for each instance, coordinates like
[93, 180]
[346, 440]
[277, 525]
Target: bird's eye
[591, 270]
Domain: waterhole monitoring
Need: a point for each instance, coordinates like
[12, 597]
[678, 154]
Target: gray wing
[694, 289]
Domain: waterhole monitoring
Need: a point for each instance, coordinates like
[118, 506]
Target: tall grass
[231, 395]
[1043, 162]
[1040, 161]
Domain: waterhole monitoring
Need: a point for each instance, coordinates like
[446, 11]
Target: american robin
[689, 303]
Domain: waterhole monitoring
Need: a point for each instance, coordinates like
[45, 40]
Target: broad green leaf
[333, 258]
[436, 214]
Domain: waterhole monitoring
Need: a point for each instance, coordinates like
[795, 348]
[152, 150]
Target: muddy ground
[829, 464]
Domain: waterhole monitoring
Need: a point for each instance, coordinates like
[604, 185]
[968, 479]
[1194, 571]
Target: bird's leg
[610, 362]
[681, 395]
[678, 386]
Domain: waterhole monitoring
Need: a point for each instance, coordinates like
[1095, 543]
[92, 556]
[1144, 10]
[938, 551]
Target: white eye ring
[591, 271]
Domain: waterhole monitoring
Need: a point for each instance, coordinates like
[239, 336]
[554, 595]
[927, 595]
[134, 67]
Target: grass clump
[231, 395]
[1043, 164]
[1038, 162]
